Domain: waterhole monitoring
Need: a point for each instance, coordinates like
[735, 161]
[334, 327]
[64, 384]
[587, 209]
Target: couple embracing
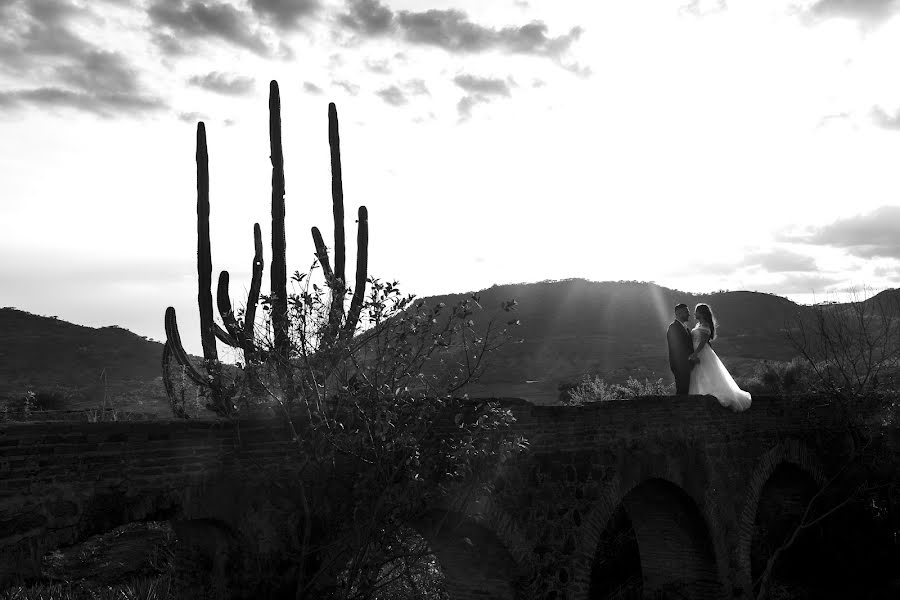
[694, 363]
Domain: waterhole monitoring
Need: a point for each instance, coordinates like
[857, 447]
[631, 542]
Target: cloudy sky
[703, 145]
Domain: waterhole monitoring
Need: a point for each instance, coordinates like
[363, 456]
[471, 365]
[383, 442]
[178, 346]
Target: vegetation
[848, 357]
[780, 378]
[146, 588]
[595, 389]
[368, 382]
[131, 562]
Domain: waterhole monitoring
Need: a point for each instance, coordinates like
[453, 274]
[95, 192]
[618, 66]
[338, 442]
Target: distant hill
[617, 329]
[79, 364]
[568, 329]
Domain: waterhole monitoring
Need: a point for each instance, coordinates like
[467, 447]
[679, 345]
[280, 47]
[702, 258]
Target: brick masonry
[688, 472]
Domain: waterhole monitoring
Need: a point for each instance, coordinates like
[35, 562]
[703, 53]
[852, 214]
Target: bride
[710, 376]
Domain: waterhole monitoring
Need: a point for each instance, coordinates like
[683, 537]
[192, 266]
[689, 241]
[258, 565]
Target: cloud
[38, 42]
[868, 13]
[780, 261]
[398, 94]
[801, 283]
[392, 95]
[367, 17]
[884, 120]
[103, 104]
[192, 117]
[101, 72]
[482, 85]
[887, 271]
[222, 83]
[453, 31]
[312, 88]
[169, 44]
[576, 68]
[481, 90]
[417, 87]
[703, 8]
[866, 236]
[285, 14]
[203, 20]
[381, 67]
[466, 103]
[350, 88]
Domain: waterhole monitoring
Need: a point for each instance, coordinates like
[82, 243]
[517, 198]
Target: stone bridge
[670, 496]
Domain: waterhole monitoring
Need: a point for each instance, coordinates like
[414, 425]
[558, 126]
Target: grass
[145, 588]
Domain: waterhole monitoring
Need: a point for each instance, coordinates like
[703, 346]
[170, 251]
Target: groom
[680, 349]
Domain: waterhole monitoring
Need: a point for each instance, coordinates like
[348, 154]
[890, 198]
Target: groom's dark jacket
[680, 348]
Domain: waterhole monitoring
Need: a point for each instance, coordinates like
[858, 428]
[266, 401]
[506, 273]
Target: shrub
[779, 378]
[595, 389]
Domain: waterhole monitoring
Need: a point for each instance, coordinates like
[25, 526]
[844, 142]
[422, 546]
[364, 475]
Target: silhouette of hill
[77, 364]
[617, 330]
[568, 329]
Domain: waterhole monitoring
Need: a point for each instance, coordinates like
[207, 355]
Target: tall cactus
[204, 271]
[278, 274]
[221, 398]
[338, 332]
[240, 334]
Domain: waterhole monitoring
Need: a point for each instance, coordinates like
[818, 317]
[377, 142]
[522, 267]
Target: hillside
[44, 354]
[617, 329]
[568, 329]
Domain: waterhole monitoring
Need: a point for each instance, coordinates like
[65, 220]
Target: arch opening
[781, 504]
[655, 544]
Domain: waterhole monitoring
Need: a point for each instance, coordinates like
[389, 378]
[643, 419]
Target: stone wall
[688, 472]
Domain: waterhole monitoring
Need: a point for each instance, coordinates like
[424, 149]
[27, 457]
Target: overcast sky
[731, 144]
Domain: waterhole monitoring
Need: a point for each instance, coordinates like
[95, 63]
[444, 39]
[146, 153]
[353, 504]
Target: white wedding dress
[711, 377]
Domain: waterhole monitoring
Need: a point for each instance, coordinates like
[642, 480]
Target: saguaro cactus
[240, 334]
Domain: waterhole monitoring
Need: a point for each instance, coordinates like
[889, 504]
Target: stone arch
[475, 561]
[671, 540]
[791, 452]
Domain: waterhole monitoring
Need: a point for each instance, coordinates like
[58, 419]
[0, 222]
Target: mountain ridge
[569, 328]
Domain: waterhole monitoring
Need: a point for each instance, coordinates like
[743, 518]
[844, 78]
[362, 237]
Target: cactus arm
[337, 193]
[177, 410]
[173, 339]
[253, 295]
[232, 331]
[322, 255]
[362, 265]
[224, 337]
[279, 269]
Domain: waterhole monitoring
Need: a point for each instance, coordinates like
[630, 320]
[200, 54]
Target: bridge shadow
[656, 544]
[474, 561]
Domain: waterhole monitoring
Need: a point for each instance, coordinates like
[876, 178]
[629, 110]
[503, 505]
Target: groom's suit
[680, 348]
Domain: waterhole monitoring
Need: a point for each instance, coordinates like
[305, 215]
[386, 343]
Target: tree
[853, 348]
[378, 404]
[852, 351]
